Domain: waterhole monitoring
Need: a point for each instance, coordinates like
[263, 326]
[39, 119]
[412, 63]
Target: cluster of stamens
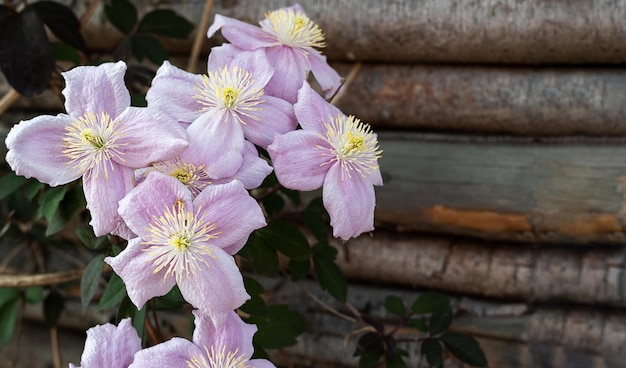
[295, 29]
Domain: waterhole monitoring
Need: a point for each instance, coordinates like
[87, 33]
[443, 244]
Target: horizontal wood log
[503, 188]
[501, 100]
[465, 31]
[590, 275]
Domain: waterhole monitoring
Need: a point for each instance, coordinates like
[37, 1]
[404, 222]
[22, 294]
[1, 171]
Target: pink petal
[150, 198]
[276, 116]
[96, 89]
[298, 161]
[291, 69]
[136, 268]
[253, 170]
[234, 211]
[35, 150]
[149, 136]
[216, 290]
[261, 363]
[349, 201]
[103, 194]
[176, 352]
[172, 91]
[241, 34]
[255, 62]
[234, 333]
[326, 76]
[218, 144]
[312, 111]
[111, 346]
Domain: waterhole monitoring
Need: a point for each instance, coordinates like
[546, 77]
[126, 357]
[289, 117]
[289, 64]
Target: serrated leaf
[286, 238]
[33, 294]
[440, 321]
[50, 201]
[430, 302]
[25, 52]
[89, 281]
[368, 342]
[165, 22]
[433, 351]
[113, 293]
[299, 269]
[9, 183]
[331, 278]
[8, 319]
[53, 307]
[63, 52]
[395, 305]
[465, 348]
[62, 22]
[72, 203]
[122, 14]
[144, 46]
[280, 328]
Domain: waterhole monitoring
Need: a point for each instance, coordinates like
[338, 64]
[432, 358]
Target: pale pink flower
[186, 241]
[101, 139]
[290, 40]
[333, 151]
[215, 346]
[109, 346]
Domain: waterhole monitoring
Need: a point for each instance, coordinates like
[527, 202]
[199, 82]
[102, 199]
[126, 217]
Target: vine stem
[40, 279]
[349, 79]
[88, 13]
[8, 100]
[324, 305]
[197, 43]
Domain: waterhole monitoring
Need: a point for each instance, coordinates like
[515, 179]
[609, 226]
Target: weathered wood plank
[503, 100]
[502, 188]
[492, 31]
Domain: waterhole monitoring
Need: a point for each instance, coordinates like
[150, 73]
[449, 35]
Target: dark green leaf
[31, 188]
[25, 52]
[61, 21]
[324, 250]
[138, 100]
[173, 300]
[10, 182]
[122, 14]
[72, 203]
[50, 201]
[87, 237]
[52, 308]
[262, 256]
[128, 309]
[63, 52]
[273, 204]
[464, 347]
[113, 294]
[124, 49]
[299, 269]
[293, 195]
[395, 305]
[430, 302]
[255, 306]
[7, 295]
[371, 359]
[165, 22]
[440, 321]
[287, 239]
[33, 294]
[89, 281]
[280, 329]
[317, 220]
[368, 342]
[433, 351]
[145, 46]
[419, 323]
[394, 360]
[8, 318]
[331, 278]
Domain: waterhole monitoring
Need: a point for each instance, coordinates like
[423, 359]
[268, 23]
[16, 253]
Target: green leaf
[440, 321]
[8, 315]
[10, 182]
[50, 201]
[465, 348]
[89, 239]
[62, 22]
[395, 305]
[33, 294]
[368, 342]
[293, 195]
[72, 203]
[433, 351]
[89, 281]
[138, 100]
[144, 46]
[53, 307]
[273, 204]
[63, 52]
[430, 302]
[280, 328]
[331, 278]
[287, 239]
[122, 14]
[394, 360]
[419, 323]
[7, 295]
[254, 306]
[371, 359]
[165, 22]
[299, 269]
[173, 300]
[31, 188]
[113, 294]
[262, 256]
[128, 309]
[317, 220]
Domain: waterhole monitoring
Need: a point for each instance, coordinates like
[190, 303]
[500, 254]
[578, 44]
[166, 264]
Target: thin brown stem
[324, 305]
[200, 36]
[40, 279]
[88, 13]
[349, 79]
[54, 345]
[8, 100]
[151, 330]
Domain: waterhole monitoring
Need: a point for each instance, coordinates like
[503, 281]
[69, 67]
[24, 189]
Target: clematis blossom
[101, 139]
[335, 152]
[110, 346]
[186, 241]
[290, 40]
[228, 345]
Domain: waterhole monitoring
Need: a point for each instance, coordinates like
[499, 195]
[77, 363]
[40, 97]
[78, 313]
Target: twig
[40, 279]
[324, 305]
[285, 357]
[342, 90]
[54, 344]
[8, 99]
[356, 332]
[200, 36]
[9, 257]
[151, 331]
[88, 13]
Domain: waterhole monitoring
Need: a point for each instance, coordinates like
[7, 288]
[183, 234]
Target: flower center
[194, 177]
[294, 28]
[91, 142]
[232, 91]
[352, 144]
[178, 241]
[219, 358]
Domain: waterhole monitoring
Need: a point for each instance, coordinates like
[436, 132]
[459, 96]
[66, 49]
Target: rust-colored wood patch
[488, 221]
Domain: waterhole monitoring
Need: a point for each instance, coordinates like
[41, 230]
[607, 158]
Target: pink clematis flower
[109, 346]
[186, 241]
[228, 345]
[101, 138]
[333, 151]
[290, 40]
